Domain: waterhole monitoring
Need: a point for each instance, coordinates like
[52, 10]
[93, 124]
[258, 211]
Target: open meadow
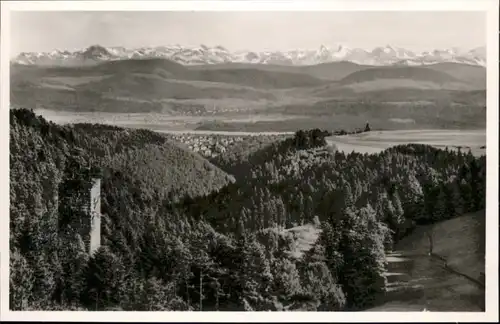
[425, 282]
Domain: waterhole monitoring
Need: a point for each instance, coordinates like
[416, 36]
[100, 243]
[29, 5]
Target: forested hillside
[187, 239]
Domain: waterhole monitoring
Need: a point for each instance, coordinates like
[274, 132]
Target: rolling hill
[258, 78]
[247, 236]
[142, 85]
[163, 86]
[470, 73]
[153, 87]
[403, 83]
[332, 71]
[143, 155]
[158, 166]
[397, 72]
[139, 86]
[337, 71]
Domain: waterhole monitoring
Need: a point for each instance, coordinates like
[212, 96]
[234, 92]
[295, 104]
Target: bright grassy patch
[305, 237]
[429, 285]
[460, 240]
[377, 141]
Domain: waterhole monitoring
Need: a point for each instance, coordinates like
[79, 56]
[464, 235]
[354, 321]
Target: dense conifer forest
[182, 233]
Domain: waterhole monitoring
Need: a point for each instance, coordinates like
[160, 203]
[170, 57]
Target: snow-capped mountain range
[186, 55]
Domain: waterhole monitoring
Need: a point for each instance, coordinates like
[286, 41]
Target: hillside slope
[397, 72]
[461, 241]
[441, 77]
[121, 93]
[471, 73]
[143, 85]
[163, 86]
[258, 78]
[159, 255]
[158, 166]
[423, 282]
[148, 157]
[328, 71]
[335, 71]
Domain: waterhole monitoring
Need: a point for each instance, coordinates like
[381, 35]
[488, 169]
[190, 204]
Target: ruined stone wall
[80, 210]
[95, 216]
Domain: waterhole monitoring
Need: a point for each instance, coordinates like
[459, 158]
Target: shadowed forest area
[179, 232]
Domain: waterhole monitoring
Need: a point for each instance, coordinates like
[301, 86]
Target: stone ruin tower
[80, 208]
[94, 202]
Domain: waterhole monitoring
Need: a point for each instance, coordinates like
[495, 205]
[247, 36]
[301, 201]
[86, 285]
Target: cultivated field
[377, 141]
[162, 122]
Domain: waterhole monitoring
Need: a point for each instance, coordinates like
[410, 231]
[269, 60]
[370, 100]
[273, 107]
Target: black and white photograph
[256, 160]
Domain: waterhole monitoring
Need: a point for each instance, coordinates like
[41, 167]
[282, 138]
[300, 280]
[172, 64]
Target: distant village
[213, 145]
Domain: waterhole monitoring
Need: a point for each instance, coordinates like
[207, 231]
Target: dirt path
[451, 269]
[448, 279]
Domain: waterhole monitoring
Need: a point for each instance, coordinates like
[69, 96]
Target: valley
[183, 129]
[222, 187]
[164, 95]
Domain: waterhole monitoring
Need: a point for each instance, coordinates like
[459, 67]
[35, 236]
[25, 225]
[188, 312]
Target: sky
[72, 30]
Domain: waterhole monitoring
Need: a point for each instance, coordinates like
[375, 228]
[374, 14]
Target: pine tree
[182, 259]
[105, 283]
[254, 273]
[22, 282]
[439, 212]
[44, 279]
[414, 198]
[398, 219]
[201, 242]
[454, 204]
[362, 245]
[286, 281]
[320, 285]
[348, 199]
[300, 207]
[467, 196]
[330, 238]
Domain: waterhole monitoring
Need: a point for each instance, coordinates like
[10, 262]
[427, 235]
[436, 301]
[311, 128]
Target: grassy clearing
[305, 237]
[423, 283]
[462, 242]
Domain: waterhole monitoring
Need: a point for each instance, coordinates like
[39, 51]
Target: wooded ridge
[181, 233]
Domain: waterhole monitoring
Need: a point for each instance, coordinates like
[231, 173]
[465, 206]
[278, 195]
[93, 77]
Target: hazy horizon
[46, 31]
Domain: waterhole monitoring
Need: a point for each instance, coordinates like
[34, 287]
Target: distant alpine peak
[333, 47]
[96, 51]
[203, 54]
